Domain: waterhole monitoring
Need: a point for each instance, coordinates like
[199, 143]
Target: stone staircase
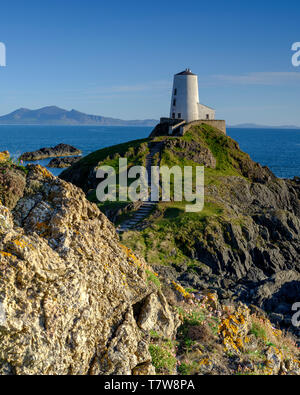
[147, 206]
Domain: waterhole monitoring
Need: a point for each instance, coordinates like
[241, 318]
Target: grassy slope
[107, 156]
[171, 237]
[171, 227]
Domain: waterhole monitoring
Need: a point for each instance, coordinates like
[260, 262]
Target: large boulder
[12, 181]
[69, 291]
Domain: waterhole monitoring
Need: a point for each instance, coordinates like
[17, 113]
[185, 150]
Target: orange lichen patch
[296, 364]
[181, 290]
[42, 228]
[8, 257]
[130, 255]
[212, 300]
[204, 362]
[6, 254]
[233, 330]
[274, 358]
[4, 156]
[211, 296]
[41, 225]
[133, 260]
[268, 370]
[44, 172]
[19, 244]
[277, 332]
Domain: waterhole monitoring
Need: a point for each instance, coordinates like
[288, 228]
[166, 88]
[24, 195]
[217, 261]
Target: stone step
[148, 206]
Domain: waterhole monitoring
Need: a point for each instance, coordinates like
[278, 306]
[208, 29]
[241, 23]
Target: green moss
[154, 334]
[258, 331]
[151, 277]
[163, 359]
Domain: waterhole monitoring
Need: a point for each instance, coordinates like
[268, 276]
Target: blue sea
[279, 149]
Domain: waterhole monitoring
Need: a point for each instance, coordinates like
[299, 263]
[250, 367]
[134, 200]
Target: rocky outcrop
[277, 295]
[44, 153]
[61, 163]
[258, 234]
[12, 181]
[191, 150]
[218, 339]
[72, 299]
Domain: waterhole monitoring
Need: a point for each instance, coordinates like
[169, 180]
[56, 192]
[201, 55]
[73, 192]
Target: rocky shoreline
[61, 163]
[59, 150]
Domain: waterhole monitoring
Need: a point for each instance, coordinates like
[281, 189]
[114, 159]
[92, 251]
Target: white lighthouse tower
[186, 111]
[185, 99]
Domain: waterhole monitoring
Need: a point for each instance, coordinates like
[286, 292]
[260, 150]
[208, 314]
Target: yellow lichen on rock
[181, 290]
[43, 171]
[4, 156]
[234, 329]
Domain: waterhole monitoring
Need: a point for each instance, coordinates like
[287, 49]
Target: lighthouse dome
[186, 72]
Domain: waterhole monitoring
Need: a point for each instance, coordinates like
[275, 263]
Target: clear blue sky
[117, 58]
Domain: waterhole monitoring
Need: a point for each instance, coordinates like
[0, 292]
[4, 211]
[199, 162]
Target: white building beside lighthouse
[185, 99]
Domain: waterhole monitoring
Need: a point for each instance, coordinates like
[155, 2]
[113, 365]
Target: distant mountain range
[53, 115]
[57, 116]
[255, 126]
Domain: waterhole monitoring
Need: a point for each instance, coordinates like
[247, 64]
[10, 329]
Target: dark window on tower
[174, 102]
[179, 115]
[173, 115]
[207, 116]
[175, 92]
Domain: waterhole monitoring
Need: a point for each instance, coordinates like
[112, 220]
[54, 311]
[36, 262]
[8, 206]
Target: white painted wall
[187, 104]
[187, 97]
[206, 112]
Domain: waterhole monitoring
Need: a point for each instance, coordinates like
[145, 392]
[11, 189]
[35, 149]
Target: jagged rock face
[71, 296]
[277, 295]
[259, 234]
